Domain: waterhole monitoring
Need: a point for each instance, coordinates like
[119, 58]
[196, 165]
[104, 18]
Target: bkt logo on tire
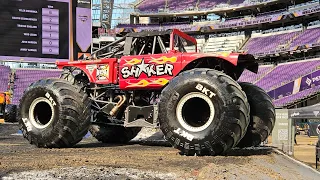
[205, 91]
[50, 99]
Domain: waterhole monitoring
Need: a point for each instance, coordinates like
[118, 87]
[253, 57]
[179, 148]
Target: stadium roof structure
[102, 13]
[108, 13]
[218, 11]
[121, 11]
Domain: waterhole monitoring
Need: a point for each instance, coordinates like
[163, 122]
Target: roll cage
[147, 43]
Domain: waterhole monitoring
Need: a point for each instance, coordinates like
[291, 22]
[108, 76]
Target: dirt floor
[141, 159]
[304, 151]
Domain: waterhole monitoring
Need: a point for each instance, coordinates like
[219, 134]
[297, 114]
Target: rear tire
[262, 115]
[113, 134]
[10, 113]
[54, 113]
[203, 112]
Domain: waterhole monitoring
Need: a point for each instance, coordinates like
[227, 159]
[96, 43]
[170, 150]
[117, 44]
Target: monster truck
[7, 110]
[150, 79]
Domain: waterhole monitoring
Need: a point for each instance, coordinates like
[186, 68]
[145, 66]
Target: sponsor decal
[205, 91]
[138, 67]
[295, 114]
[103, 72]
[184, 134]
[27, 124]
[313, 80]
[283, 134]
[83, 18]
[91, 68]
[308, 81]
[48, 96]
[283, 124]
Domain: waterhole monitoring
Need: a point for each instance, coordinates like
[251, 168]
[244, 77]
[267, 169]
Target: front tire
[203, 112]
[262, 115]
[54, 113]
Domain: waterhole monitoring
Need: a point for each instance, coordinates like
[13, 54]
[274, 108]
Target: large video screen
[35, 30]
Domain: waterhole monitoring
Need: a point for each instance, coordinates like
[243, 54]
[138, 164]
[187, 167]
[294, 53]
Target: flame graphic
[142, 83]
[133, 61]
[164, 59]
[224, 54]
[161, 81]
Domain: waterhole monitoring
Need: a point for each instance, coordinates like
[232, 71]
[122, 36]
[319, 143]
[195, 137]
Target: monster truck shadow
[157, 140]
[233, 152]
[264, 150]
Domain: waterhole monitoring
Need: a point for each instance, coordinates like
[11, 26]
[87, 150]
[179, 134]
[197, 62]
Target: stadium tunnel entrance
[286, 129]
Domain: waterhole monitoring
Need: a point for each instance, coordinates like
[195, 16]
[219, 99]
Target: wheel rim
[195, 112]
[41, 113]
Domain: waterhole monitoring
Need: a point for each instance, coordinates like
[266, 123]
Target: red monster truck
[149, 79]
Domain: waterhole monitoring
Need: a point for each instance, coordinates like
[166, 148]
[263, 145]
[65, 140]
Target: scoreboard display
[45, 30]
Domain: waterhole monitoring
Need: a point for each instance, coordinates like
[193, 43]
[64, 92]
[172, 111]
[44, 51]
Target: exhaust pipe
[122, 100]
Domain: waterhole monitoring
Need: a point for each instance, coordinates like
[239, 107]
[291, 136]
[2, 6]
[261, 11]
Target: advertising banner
[284, 91]
[298, 85]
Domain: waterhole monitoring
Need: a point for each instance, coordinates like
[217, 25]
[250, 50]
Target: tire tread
[225, 141]
[69, 129]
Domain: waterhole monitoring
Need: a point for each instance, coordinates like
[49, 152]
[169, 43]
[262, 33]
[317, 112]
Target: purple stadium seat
[150, 6]
[310, 36]
[248, 76]
[4, 78]
[269, 44]
[290, 41]
[178, 5]
[287, 72]
[296, 97]
[24, 77]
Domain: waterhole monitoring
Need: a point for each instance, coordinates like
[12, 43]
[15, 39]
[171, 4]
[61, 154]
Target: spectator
[295, 134]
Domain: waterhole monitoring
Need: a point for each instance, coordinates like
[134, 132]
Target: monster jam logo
[148, 69]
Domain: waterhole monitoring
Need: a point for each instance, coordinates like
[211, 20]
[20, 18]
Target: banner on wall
[298, 85]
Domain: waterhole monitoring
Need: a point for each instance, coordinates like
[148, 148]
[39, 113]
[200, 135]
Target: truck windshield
[183, 45]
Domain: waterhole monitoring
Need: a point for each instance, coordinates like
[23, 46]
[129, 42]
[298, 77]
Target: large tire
[54, 113]
[113, 134]
[10, 113]
[213, 96]
[262, 115]
[102, 132]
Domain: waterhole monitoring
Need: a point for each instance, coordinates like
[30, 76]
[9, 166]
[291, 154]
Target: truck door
[149, 70]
